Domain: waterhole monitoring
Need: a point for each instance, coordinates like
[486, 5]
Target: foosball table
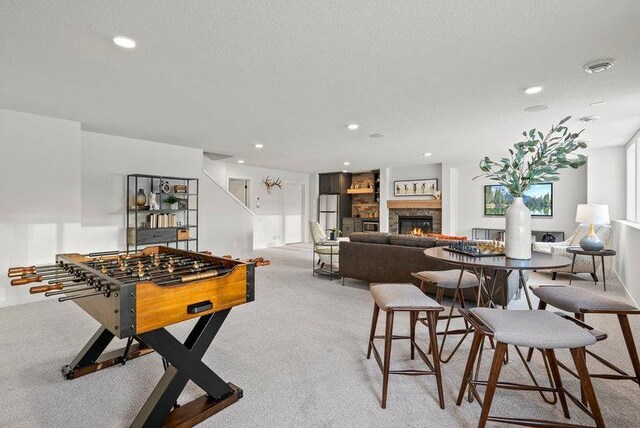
[134, 296]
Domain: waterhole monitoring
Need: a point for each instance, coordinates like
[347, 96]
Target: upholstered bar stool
[456, 280]
[529, 329]
[393, 298]
[580, 302]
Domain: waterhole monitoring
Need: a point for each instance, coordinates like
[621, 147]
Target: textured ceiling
[445, 77]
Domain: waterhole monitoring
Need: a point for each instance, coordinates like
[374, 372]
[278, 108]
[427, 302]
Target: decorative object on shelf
[548, 237]
[180, 188]
[592, 214]
[270, 183]
[141, 198]
[172, 201]
[153, 202]
[164, 186]
[538, 198]
[421, 187]
[183, 234]
[437, 194]
[335, 233]
[535, 160]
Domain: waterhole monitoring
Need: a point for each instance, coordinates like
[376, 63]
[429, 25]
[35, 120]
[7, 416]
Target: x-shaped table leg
[185, 364]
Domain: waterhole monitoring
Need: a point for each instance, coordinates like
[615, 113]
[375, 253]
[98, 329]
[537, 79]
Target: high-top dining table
[538, 261]
[480, 265]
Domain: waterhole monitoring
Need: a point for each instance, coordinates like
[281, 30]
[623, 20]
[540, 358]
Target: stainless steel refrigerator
[328, 212]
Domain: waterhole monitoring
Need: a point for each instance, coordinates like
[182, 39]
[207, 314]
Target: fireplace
[415, 225]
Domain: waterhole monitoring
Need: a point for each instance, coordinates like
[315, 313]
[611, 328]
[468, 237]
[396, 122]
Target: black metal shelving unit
[140, 234]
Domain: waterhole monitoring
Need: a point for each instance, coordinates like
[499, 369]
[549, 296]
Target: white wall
[606, 179]
[570, 191]
[106, 161]
[626, 241]
[40, 192]
[268, 207]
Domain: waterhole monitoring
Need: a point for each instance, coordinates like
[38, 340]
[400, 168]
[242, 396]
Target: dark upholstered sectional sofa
[381, 257]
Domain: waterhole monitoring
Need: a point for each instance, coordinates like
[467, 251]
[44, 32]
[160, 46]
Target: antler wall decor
[270, 183]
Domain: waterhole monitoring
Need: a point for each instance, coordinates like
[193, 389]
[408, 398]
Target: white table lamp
[592, 214]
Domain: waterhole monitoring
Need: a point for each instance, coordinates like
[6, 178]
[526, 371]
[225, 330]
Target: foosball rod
[66, 298]
[159, 275]
[196, 276]
[69, 291]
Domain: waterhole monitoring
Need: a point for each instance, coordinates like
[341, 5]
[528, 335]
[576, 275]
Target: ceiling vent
[599, 66]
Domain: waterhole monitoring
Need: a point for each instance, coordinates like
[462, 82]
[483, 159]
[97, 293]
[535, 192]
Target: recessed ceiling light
[588, 119]
[533, 90]
[599, 65]
[540, 107]
[124, 42]
[240, 161]
[597, 103]
[426, 155]
[258, 145]
[376, 135]
[352, 126]
[346, 163]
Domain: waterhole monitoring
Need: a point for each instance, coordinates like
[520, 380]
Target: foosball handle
[19, 271]
[24, 281]
[44, 288]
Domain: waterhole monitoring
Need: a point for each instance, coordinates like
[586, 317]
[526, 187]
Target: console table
[479, 233]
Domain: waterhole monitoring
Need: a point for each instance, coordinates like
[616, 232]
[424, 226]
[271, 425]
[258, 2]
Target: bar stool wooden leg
[541, 307]
[374, 322]
[473, 353]
[432, 319]
[578, 355]
[413, 319]
[387, 356]
[631, 345]
[557, 380]
[494, 375]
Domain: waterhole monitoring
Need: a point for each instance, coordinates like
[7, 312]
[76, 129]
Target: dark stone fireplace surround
[395, 213]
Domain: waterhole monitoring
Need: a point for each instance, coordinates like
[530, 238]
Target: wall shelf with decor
[162, 210]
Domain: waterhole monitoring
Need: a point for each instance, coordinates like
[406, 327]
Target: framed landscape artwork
[538, 198]
[422, 187]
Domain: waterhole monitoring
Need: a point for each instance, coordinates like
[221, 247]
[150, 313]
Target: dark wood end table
[578, 251]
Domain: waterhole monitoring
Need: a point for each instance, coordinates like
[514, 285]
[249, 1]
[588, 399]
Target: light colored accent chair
[322, 251]
[584, 264]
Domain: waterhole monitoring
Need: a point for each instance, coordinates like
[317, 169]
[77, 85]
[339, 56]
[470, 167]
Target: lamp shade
[592, 214]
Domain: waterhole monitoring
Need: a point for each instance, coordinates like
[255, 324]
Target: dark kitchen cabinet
[335, 182]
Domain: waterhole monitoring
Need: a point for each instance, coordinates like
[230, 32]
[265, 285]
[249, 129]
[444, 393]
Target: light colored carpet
[298, 352]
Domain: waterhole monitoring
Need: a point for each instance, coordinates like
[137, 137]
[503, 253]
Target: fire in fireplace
[415, 225]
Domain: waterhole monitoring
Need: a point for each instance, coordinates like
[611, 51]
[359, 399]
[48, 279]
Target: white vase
[518, 231]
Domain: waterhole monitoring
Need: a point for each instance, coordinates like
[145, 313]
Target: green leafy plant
[336, 231]
[170, 200]
[537, 159]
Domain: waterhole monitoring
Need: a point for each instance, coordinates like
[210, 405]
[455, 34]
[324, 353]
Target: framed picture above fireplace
[421, 187]
[538, 198]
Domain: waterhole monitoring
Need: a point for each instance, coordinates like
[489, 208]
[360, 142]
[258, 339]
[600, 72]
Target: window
[633, 190]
